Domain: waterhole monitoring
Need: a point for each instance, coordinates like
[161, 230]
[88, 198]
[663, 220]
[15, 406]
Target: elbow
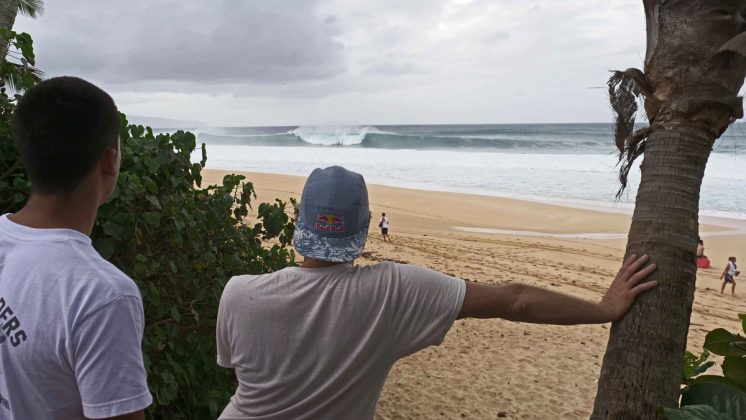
[519, 305]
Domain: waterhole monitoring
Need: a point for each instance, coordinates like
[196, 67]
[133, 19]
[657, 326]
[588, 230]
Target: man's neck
[53, 211]
[311, 263]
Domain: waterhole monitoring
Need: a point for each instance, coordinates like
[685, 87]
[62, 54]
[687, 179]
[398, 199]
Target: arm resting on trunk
[520, 302]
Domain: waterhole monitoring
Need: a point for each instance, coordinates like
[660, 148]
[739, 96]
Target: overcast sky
[313, 62]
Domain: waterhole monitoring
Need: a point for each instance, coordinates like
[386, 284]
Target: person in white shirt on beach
[71, 324]
[384, 225]
[317, 341]
[729, 276]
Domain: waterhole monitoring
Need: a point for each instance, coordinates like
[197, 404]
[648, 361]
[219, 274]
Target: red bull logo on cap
[330, 223]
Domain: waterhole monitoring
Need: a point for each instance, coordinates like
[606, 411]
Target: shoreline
[734, 223]
[714, 217]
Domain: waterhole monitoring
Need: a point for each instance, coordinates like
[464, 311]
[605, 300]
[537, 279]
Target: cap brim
[311, 245]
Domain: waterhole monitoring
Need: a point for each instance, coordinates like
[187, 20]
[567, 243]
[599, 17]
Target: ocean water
[573, 164]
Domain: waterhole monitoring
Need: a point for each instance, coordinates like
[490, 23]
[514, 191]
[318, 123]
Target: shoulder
[398, 272]
[94, 286]
[93, 283]
[417, 270]
[238, 287]
[106, 275]
[381, 270]
[236, 284]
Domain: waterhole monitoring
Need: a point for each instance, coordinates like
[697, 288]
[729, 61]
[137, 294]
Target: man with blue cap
[317, 341]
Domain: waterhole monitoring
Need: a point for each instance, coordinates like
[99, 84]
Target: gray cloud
[206, 42]
[497, 36]
[287, 62]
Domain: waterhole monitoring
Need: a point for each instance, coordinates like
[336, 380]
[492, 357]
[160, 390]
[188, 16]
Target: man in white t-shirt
[384, 225]
[729, 276]
[71, 324]
[317, 341]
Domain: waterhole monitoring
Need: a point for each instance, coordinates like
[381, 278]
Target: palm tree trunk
[8, 12]
[694, 67]
[643, 364]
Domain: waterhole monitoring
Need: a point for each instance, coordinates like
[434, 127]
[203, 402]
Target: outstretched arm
[520, 302]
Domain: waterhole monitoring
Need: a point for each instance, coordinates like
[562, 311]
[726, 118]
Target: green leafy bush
[16, 71]
[714, 397]
[17, 68]
[181, 244]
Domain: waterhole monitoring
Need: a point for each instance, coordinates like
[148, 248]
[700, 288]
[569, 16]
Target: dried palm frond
[625, 87]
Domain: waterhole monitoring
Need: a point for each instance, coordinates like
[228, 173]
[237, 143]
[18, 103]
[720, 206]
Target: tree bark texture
[644, 359]
[694, 68]
[8, 12]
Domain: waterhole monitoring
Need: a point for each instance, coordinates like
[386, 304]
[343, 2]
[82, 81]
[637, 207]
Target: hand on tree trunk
[626, 286]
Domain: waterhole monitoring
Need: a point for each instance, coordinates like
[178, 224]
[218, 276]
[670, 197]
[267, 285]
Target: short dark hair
[61, 127]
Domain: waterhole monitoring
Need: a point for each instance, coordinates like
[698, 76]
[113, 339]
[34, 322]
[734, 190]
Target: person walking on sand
[729, 275]
[384, 225]
[317, 341]
[71, 323]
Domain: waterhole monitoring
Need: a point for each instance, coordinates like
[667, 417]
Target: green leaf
[703, 367]
[734, 368]
[724, 343]
[154, 201]
[113, 229]
[695, 412]
[712, 379]
[742, 317]
[105, 247]
[724, 398]
[175, 314]
[695, 365]
[151, 218]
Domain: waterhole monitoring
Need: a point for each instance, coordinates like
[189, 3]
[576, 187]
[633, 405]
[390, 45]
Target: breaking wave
[579, 138]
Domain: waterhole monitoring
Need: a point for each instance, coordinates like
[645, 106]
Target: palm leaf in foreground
[31, 8]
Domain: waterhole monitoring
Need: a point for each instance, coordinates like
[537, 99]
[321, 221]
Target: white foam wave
[334, 135]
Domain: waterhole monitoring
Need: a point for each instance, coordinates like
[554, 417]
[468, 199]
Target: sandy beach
[496, 368]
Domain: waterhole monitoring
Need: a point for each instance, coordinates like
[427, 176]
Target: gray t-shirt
[71, 327]
[312, 343]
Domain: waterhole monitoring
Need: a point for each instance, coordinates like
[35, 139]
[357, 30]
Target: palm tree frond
[31, 8]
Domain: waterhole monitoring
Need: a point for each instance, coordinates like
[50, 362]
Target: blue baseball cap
[334, 216]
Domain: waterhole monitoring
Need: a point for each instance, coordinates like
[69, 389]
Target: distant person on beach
[702, 260]
[384, 225]
[318, 340]
[729, 275]
[71, 324]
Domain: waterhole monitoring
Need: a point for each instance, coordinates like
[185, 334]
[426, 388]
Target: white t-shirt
[71, 327]
[384, 222]
[731, 268]
[318, 343]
